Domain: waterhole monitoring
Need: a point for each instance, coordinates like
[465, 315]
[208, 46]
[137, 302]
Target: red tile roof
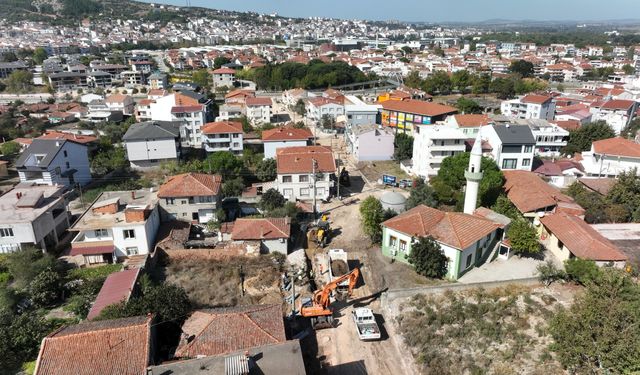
[119, 346]
[240, 92]
[529, 193]
[224, 71]
[454, 229]
[70, 137]
[321, 101]
[618, 104]
[220, 331]
[116, 288]
[187, 108]
[222, 127]
[91, 250]
[300, 159]
[286, 133]
[471, 120]
[190, 185]
[261, 229]
[617, 147]
[253, 101]
[418, 107]
[116, 98]
[568, 124]
[536, 99]
[581, 239]
[599, 185]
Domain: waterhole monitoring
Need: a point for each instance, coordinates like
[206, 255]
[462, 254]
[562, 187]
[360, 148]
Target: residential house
[465, 239]
[532, 196]
[118, 224]
[267, 236]
[99, 111]
[296, 166]
[512, 146]
[189, 107]
[576, 112]
[158, 81]
[223, 77]
[617, 113]
[291, 97]
[370, 142]
[119, 346]
[223, 136]
[568, 236]
[99, 79]
[238, 96]
[150, 143]
[68, 80]
[54, 162]
[560, 173]
[208, 332]
[284, 136]
[431, 145]
[192, 197]
[529, 106]
[32, 215]
[359, 113]
[406, 114]
[118, 287]
[319, 107]
[469, 124]
[611, 157]
[120, 103]
[258, 110]
[550, 138]
[6, 68]
[230, 111]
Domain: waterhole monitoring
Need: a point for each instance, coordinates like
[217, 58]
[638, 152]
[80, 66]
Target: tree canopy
[523, 237]
[582, 138]
[271, 199]
[316, 74]
[468, 106]
[372, 215]
[266, 170]
[421, 193]
[522, 67]
[428, 259]
[403, 146]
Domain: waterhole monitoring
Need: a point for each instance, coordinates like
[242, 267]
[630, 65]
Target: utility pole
[313, 168]
[81, 198]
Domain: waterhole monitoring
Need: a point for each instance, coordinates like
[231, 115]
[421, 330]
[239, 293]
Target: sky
[433, 10]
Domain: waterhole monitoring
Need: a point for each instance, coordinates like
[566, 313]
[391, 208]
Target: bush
[100, 272]
[271, 199]
[548, 273]
[45, 288]
[25, 265]
[372, 214]
[581, 271]
[428, 258]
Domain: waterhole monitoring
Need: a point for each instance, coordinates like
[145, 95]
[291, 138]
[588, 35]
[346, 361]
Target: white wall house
[432, 144]
[370, 142]
[319, 107]
[616, 113]
[32, 215]
[282, 137]
[550, 138]
[295, 166]
[610, 157]
[148, 144]
[120, 103]
[54, 161]
[529, 106]
[223, 136]
[512, 146]
[178, 107]
[258, 110]
[359, 113]
[118, 224]
[190, 197]
[223, 77]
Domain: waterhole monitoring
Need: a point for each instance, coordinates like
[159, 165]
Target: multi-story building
[371, 142]
[223, 136]
[192, 197]
[432, 144]
[6, 68]
[158, 81]
[529, 106]
[230, 111]
[131, 78]
[358, 112]
[282, 137]
[68, 80]
[469, 124]
[99, 79]
[319, 107]
[120, 103]
[32, 215]
[150, 143]
[191, 110]
[550, 138]
[406, 114]
[512, 146]
[617, 113]
[611, 157]
[258, 110]
[54, 162]
[223, 77]
[118, 224]
[296, 167]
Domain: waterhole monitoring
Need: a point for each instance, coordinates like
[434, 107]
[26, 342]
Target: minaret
[473, 175]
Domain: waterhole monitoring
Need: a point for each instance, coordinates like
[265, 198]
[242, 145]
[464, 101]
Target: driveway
[503, 270]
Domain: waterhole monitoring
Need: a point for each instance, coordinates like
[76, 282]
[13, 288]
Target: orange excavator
[320, 309]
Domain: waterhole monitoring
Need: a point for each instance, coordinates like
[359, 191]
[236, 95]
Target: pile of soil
[339, 267]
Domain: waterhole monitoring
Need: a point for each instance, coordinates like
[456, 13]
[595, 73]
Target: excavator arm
[321, 298]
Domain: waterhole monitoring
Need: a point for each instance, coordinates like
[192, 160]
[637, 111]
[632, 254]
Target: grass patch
[89, 273]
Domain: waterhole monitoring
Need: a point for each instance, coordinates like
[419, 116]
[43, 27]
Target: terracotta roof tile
[187, 108]
[581, 239]
[568, 124]
[70, 137]
[258, 229]
[617, 147]
[529, 193]
[536, 99]
[190, 185]
[454, 229]
[300, 159]
[286, 133]
[253, 101]
[222, 127]
[119, 346]
[220, 331]
[116, 98]
[599, 185]
[117, 287]
[618, 104]
[418, 107]
[224, 71]
[472, 120]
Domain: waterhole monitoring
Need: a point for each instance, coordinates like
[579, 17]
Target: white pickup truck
[366, 324]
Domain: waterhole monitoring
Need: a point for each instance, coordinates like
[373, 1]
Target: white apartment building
[550, 138]
[118, 224]
[230, 111]
[617, 113]
[178, 107]
[319, 107]
[282, 137]
[258, 110]
[32, 215]
[150, 143]
[512, 146]
[610, 157]
[529, 106]
[359, 113]
[120, 103]
[223, 136]
[223, 77]
[295, 167]
[54, 162]
[432, 144]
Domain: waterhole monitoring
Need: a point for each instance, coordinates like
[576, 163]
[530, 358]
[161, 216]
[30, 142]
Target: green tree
[299, 108]
[438, 83]
[266, 169]
[461, 79]
[8, 57]
[202, 78]
[449, 182]
[631, 130]
[428, 259]
[225, 164]
[109, 159]
[582, 138]
[19, 81]
[413, 80]
[39, 55]
[10, 148]
[468, 106]
[582, 271]
[233, 187]
[25, 265]
[504, 206]
[219, 61]
[45, 288]
[289, 209]
[421, 193]
[271, 199]
[406, 50]
[626, 193]
[522, 67]
[403, 147]
[523, 237]
[599, 333]
[371, 215]
[628, 69]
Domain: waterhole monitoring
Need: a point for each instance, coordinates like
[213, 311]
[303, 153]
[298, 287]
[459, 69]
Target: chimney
[134, 215]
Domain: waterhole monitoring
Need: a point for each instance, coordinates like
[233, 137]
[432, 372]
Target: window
[6, 232]
[101, 233]
[469, 258]
[528, 148]
[560, 245]
[66, 164]
[526, 162]
[65, 153]
[129, 233]
[169, 201]
[509, 163]
[287, 192]
[304, 192]
[457, 142]
[393, 241]
[303, 178]
[403, 246]
[319, 192]
[287, 179]
[132, 250]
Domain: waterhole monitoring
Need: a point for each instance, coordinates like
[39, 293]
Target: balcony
[84, 245]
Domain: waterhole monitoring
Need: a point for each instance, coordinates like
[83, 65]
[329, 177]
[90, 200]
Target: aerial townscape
[288, 188]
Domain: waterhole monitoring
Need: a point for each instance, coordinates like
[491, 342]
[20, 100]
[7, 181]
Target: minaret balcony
[473, 176]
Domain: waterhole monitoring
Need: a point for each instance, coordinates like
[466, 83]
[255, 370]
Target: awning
[92, 250]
